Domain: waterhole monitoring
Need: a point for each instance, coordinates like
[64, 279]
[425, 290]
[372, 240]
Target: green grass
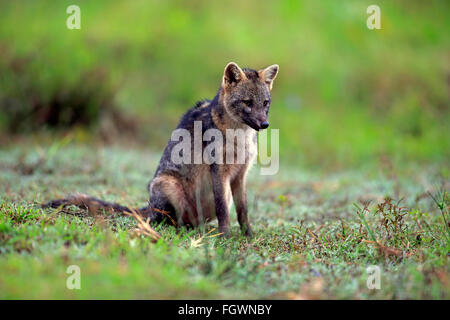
[311, 241]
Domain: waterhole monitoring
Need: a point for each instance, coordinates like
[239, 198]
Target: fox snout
[261, 121]
[257, 124]
[264, 124]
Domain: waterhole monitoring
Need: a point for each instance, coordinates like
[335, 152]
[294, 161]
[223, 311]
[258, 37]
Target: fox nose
[264, 125]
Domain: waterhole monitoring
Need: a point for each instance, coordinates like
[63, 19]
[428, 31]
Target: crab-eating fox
[194, 192]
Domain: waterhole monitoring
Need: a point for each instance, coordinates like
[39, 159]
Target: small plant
[361, 214]
[391, 235]
[392, 221]
[442, 202]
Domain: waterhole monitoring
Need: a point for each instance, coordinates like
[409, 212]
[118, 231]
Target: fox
[192, 194]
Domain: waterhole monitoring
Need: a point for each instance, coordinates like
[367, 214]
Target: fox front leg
[240, 202]
[219, 185]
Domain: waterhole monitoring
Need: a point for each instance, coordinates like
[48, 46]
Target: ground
[316, 232]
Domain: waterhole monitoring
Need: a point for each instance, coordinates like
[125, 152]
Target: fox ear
[232, 74]
[269, 74]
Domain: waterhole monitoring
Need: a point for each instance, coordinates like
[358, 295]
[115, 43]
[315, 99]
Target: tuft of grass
[442, 202]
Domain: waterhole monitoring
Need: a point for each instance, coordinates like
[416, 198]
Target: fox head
[246, 94]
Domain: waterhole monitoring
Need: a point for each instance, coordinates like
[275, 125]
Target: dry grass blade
[312, 234]
[144, 227]
[164, 212]
[195, 243]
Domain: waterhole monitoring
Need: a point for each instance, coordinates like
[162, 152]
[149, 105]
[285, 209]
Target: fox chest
[244, 154]
[242, 149]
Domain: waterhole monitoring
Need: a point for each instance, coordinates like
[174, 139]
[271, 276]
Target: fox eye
[247, 102]
[266, 102]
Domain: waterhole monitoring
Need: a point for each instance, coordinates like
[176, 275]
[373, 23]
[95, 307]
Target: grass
[315, 233]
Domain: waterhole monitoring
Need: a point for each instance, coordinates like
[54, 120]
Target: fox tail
[95, 205]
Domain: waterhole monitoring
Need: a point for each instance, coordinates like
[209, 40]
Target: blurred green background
[345, 95]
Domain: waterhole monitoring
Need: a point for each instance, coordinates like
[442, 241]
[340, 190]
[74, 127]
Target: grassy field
[311, 241]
